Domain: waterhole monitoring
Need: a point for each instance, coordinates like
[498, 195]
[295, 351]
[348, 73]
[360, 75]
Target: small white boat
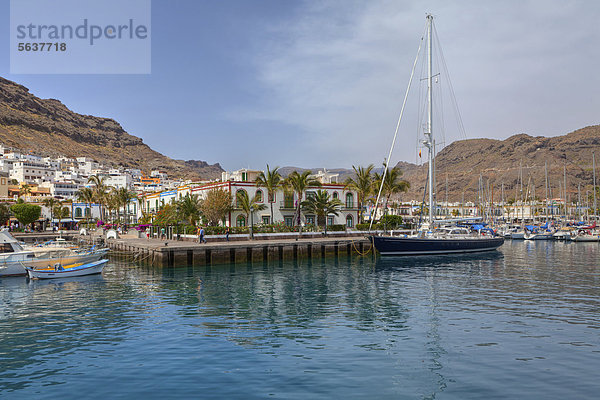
[586, 236]
[508, 230]
[563, 234]
[519, 235]
[539, 236]
[67, 271]
[13, 256]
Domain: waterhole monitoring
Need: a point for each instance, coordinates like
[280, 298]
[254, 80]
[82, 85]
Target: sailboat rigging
[432, 238]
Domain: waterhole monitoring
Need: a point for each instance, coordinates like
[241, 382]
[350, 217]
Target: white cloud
[339, 69]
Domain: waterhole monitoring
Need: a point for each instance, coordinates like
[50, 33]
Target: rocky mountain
[499, 162]
[48, 127]
[461, 166]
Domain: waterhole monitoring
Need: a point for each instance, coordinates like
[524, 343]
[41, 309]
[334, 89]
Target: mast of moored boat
[594, 169]
[565, 189]
[503, 202]
[546, 186]
[429, 134]
[579, 201]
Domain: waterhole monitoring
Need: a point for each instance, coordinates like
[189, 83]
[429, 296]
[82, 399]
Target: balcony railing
[287, 205]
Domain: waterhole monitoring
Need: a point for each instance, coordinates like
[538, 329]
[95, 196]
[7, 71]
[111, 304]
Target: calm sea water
[520, 323]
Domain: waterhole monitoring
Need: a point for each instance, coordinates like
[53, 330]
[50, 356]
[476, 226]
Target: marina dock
[172, 252]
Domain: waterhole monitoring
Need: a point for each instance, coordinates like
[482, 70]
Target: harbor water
[521, 322]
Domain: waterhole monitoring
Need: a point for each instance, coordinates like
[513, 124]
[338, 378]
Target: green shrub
[391, 221]
[220, 230]
[365, 227]
[336, 228]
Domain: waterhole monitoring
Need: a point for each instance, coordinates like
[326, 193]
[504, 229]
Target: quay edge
[170, 253]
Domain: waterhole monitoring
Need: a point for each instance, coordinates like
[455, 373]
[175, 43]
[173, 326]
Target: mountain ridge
[48, 127]
[500, 162]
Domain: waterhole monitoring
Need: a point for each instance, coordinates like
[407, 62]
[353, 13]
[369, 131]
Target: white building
[118, 179]
[241, 175]
[30, 172]
[66, 190]
[326, 177]
[87, 166]
[67, 176]
[284, 204]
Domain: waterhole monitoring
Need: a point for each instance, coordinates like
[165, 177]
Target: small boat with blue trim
[66, 271]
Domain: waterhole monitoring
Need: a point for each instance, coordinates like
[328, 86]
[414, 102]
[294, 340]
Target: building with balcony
[64, 190]
[31, 172]
[284, 204]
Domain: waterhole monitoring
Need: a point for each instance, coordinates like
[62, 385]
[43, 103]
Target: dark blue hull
[408, 246]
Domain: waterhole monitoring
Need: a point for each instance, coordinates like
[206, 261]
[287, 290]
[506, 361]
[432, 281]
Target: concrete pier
[171, 253]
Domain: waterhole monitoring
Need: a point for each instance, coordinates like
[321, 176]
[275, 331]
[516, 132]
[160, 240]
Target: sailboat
[434, 239]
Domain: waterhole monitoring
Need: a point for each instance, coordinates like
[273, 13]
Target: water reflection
[402, 320]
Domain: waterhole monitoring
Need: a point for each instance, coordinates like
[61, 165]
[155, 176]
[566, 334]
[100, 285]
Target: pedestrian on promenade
[201, 236]
[227, 234]
[163, 233]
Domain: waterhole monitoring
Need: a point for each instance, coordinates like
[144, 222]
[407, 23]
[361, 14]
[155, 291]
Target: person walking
[163, 233]
[227, 234]
[201, 236]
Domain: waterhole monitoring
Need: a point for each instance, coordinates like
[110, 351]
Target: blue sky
[320, 83]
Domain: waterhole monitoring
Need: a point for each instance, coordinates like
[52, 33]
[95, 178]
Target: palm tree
[51, 202]
[61, 213]
[298, 183]
[392, 185]
[112, 203]
[100, 191]
[362, 184]
[322, 205]
[86, 196]
[270, 181]
[188, 208]
[249, 207]
[25, 190]
[122, 197]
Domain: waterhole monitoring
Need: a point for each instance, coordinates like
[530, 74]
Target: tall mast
[579, 200]
[429, 133]
[565, 189]
[546, 184]
[447, 208]
[594, 168]
[502, 201]
[522, 204]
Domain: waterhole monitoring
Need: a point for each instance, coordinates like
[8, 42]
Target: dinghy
[66, 271]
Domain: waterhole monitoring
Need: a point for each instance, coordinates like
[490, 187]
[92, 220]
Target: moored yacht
[435, 240]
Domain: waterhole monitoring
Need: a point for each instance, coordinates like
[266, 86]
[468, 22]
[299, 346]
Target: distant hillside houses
[62, 177]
